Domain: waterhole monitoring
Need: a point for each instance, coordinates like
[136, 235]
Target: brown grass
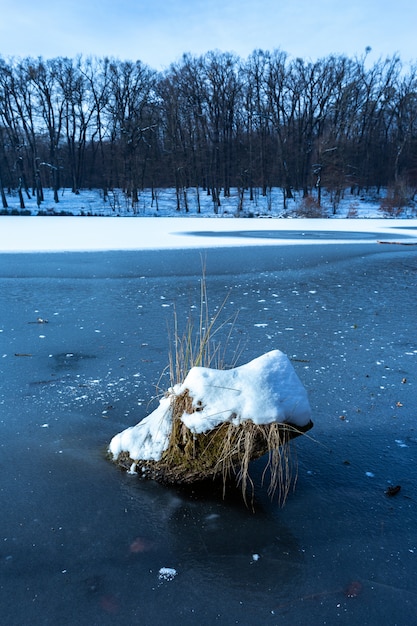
[226, 451]
[196, 345]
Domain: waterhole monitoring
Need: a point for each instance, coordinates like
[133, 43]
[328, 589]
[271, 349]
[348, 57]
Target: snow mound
[148, 439]
[265, 390]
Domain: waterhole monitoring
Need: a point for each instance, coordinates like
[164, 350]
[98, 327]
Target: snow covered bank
[163, 203]
[55, 234]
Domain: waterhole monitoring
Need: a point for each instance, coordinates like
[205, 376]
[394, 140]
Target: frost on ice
[167, 573]
[253, 399]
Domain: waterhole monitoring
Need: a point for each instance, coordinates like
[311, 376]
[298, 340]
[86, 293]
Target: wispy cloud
[160, 31]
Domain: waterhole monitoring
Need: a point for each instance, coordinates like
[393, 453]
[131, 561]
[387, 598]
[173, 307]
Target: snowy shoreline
[78, 234]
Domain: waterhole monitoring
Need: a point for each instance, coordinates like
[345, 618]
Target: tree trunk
[3, 195]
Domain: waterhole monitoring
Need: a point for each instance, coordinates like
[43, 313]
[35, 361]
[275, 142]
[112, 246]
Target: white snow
[72, 234]
[264, 390]
[163, 203]
[148, 439]
[166, 229]
[167, 573]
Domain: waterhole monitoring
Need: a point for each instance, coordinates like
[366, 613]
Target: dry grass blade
[248, 441]
[196, 346]
[226, 451]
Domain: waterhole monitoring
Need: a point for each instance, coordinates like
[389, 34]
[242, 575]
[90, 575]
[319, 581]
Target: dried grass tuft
[196, 345]
[248, 441]
[226, 451]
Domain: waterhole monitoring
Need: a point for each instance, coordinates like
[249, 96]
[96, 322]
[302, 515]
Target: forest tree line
[213, 122]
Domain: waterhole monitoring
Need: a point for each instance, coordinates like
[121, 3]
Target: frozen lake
[82, 542]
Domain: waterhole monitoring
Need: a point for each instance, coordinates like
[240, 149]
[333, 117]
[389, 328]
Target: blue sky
[158, 32]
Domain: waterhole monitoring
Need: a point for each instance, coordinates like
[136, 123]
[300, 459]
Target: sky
[159, 32]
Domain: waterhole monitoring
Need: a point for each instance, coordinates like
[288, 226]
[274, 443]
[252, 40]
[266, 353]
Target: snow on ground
[52, 234]
[163, 203]
[165, 228]
[265, 390]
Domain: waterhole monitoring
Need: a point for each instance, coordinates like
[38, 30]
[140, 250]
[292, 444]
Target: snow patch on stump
[216, 405]
[264, 390]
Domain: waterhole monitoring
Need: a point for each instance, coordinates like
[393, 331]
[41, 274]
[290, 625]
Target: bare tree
[132, 117]
[211, 122]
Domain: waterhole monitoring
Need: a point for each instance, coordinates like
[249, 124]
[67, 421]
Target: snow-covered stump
[217, 421]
